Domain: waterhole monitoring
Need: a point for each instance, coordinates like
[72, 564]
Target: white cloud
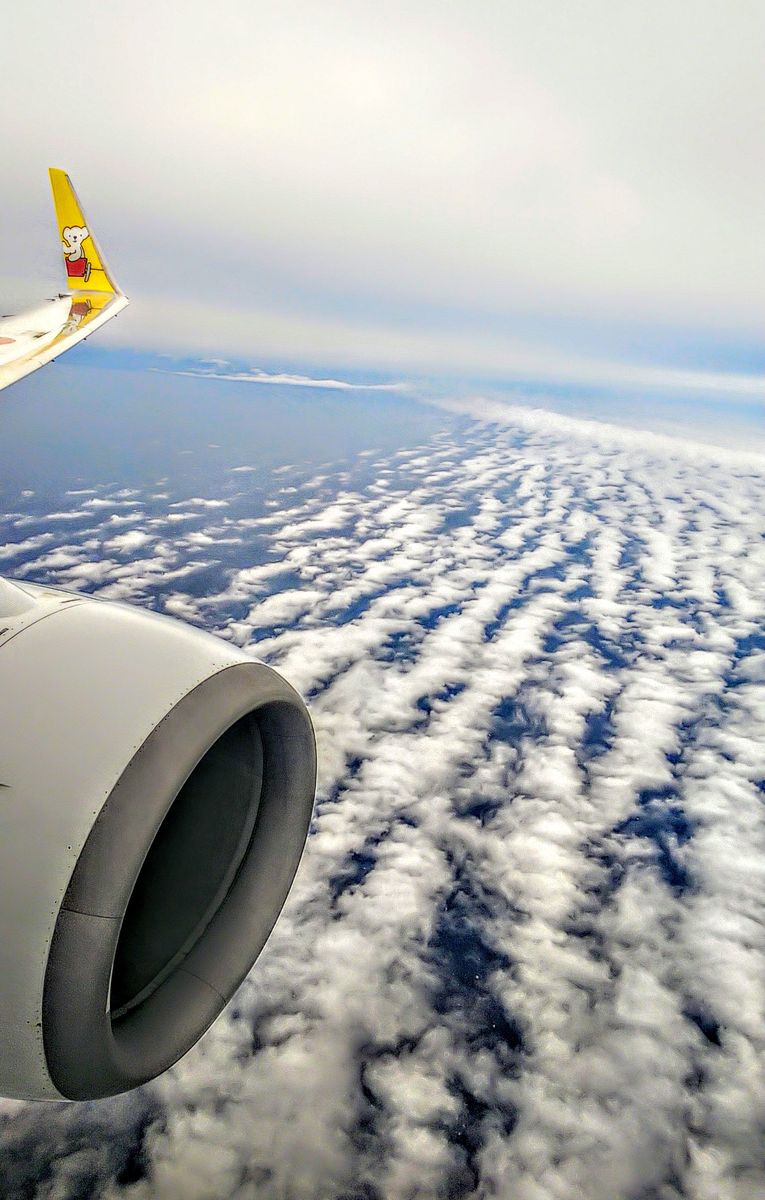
[132, 539]
[200, 502]
[524, 952]
[254, 375]
[674, 445]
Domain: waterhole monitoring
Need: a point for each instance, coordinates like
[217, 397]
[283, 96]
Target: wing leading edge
[35, 337]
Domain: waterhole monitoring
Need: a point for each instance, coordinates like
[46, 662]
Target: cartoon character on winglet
[77, 265]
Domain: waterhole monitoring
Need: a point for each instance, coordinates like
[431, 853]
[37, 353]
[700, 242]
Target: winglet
[86, 268]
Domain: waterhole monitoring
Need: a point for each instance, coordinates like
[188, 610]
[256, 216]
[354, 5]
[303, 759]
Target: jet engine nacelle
[156, 788]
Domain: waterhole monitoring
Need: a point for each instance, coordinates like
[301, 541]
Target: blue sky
[348, 406]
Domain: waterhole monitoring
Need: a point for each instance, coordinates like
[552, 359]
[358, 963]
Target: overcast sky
[483, 187]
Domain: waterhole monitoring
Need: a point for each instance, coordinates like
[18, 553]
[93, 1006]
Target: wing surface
[94, 295]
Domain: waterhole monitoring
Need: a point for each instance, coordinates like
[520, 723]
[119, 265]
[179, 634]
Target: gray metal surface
[94, 1047]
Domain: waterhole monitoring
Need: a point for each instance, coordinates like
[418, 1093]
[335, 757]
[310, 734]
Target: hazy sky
[484, 187]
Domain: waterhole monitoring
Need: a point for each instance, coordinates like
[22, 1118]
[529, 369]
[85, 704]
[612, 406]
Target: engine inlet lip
[91, 1052]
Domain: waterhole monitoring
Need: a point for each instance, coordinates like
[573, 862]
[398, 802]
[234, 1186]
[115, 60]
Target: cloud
[254, 375]
[200, 502]
[470, 350]
[23, 548]
[674, 444]
[132, 539]
[524, 951]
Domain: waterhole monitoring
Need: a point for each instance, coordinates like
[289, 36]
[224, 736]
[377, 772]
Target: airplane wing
[31, 339]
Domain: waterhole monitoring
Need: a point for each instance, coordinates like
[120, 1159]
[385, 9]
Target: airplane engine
[156, 789]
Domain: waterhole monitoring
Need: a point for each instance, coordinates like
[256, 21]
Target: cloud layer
[524, 954]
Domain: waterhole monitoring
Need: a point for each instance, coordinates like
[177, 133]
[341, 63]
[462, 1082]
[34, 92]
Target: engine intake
[158, 788]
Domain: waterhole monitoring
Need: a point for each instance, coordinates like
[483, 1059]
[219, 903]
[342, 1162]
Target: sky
[491, 191]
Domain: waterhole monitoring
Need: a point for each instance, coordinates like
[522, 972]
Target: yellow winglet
[86, 269]
[37, 336]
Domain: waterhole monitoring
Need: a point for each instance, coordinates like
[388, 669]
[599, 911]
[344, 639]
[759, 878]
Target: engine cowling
[156, 789]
